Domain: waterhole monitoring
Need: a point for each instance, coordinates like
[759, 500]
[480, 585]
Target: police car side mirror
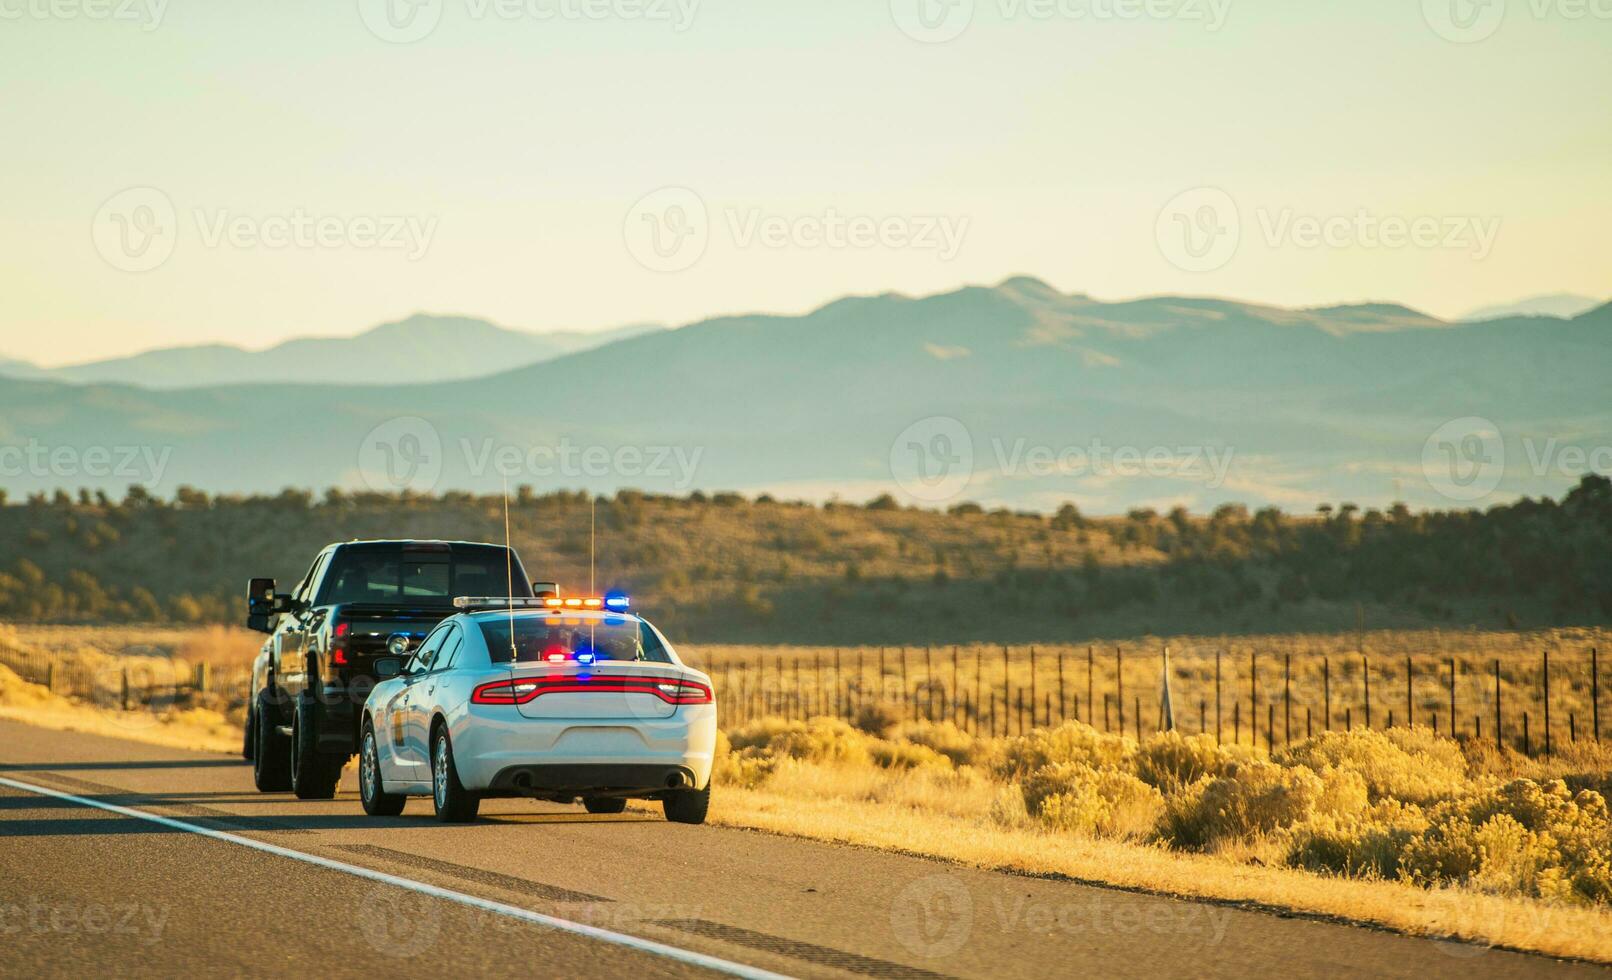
[388, 667]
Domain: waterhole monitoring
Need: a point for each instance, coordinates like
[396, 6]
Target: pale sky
[509, 146]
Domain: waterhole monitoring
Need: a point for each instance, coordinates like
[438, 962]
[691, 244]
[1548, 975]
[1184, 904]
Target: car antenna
[509, 572]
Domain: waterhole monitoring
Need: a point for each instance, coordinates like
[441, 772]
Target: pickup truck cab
[360, 610]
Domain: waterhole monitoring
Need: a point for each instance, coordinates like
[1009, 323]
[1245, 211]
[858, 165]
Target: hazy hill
[728, 568]
[1555, 304]
[1309, 404]
[420, 348]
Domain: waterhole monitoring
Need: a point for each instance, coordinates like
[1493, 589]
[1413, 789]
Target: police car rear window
[606, 637]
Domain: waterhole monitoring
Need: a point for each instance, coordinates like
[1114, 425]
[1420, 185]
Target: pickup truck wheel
[604, 804]
[314, 774]
[371, 789]
[271, 759]
[688, 805]
[454, 804]
[248, 736]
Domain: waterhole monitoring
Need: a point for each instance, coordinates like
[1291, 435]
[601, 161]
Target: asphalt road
[86, 890]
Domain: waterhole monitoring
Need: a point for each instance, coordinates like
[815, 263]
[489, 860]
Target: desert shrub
[1171, 761]
[1367, 846]
[1412, 765]
[1069, 742]
[1258, 798]
[878, 718]
[944, 737]
[906, 755]
[1077, 798]
[1520, 837]
[819, 740]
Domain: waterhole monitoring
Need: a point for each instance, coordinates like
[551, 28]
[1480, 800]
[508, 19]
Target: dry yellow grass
[197, 728]
[1579, 933]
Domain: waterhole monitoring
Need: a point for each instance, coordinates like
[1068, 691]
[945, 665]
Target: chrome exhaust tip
[676, 781]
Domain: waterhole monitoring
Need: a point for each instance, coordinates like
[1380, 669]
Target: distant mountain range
[420, 348]
[1014, 395]
[1565, 305]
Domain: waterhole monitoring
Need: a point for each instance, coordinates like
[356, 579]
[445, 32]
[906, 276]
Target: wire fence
[126, 683]
[1266, 699]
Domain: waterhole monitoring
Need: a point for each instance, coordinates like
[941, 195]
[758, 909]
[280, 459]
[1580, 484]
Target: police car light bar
[614, 603]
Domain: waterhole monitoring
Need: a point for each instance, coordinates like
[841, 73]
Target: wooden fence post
[1499, 723]
[1453, 714]
[1410, 706]
[1091, 703]
[955, 691]
[1287, 698]
[1217, 695]
[1595, 693]
[1119, 698]
[1063, 703]
[1032, 687]
[1365, 672]
[1546, 675]
[1326, 694]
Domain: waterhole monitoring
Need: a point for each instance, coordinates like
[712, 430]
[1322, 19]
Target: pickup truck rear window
[400, 576]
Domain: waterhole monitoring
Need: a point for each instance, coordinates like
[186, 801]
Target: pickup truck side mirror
[261, 603]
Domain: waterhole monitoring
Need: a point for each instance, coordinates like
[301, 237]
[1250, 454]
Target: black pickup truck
[361, 602]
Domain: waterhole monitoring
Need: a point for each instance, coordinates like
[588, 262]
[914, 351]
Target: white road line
[487, 905]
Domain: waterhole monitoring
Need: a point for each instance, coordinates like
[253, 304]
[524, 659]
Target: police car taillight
[504, 692]
[684, 692]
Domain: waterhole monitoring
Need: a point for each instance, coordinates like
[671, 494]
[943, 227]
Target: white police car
[546, 698]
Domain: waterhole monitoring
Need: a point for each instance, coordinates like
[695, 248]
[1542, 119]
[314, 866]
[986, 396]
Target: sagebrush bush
[1258, 798]
[1520, 837]
[1069, 742]
[1408, 764]
[944, 737]
[1075, 797]
[1171, 761]
[1367, 846]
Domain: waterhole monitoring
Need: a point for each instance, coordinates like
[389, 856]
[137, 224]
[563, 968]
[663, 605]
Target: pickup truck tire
[249, 736]
[271, 760]
[371, 790]
[454, 804]
[688, 805]
[314, 774]
[604, 804]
